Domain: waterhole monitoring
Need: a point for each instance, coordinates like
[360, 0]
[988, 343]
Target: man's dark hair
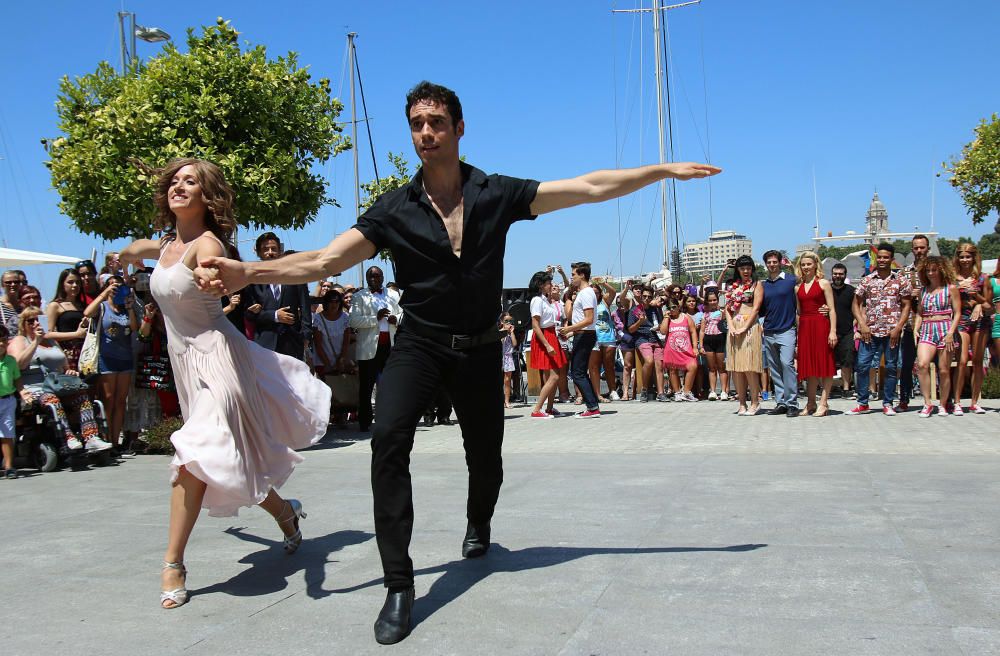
[263, 239]
[435, 93]
[772, 253]
[839, 265]
[537, 282]
[373, 268]
[583, 268]
[886, 246]
[921, 236]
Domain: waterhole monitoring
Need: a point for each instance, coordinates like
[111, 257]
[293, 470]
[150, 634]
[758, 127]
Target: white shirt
[542, 309]
[331, 333]
[585, 300]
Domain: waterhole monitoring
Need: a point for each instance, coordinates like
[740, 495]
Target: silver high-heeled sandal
[179, 596]
[292, 542]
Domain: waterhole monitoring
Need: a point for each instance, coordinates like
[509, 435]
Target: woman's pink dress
[246, 409]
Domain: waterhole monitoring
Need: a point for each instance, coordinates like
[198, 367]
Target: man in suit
[282, 322]
[374, 315]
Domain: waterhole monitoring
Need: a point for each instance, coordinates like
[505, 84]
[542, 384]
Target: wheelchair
[41, 444]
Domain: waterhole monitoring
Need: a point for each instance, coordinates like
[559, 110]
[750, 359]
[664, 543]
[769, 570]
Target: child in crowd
[509, 344]
[678, 353]
[10, 387]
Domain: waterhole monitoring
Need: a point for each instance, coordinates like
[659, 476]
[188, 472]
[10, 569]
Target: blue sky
[868, 94]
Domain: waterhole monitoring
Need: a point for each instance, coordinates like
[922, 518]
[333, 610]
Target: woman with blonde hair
[935, 325]
[246, 409]
[817, 334]
[973, 328]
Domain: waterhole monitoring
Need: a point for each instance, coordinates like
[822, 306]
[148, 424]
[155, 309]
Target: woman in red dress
[817, 335]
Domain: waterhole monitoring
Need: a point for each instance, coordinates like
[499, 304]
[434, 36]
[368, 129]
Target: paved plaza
[659, 528]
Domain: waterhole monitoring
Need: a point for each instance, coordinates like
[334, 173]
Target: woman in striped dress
[936, 323]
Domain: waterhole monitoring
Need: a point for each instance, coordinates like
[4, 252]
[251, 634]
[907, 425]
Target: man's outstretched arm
[221, 276]
[604, 185]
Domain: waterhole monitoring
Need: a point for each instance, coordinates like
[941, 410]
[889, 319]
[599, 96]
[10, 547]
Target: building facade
[711, 256]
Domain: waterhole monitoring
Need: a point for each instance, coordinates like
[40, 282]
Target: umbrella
[13, 257]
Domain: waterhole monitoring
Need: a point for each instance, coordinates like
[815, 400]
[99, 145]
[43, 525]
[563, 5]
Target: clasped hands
[220, 276]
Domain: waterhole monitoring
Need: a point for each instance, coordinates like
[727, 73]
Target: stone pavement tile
[610, 631]
[977, 642]
[965, 584]
[801, 583]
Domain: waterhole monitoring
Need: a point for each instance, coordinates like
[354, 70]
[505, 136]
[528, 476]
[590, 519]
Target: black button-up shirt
[458, 295]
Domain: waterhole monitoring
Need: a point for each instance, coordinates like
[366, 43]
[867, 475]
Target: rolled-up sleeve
[519, 193]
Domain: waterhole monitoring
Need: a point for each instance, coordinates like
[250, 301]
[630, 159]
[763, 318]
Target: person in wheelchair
[36, 355]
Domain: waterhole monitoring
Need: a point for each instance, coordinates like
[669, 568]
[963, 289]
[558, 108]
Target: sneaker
[712, 396]
[541, 415]
[553, 412]
[678, 396]
[957, 411]
[765, 396]
[858, 410]
[586, 414]
[724, 397]
[943, 410]
[688, 396]
[97, 444]
[662, 397]
[888, 411]
[73, 444]
[926, 411]
[977, 410]
[10, 474]
[614, 396]
[643, 396]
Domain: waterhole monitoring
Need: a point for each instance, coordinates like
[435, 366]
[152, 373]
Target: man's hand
[382, 314]
[392, 319]
[27, 397]
[865, 334]
[284, 316]
[255, 308]
[220, 276]
[689, 170]
[894, 337]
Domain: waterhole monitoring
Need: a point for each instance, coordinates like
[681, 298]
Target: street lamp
[147, 34]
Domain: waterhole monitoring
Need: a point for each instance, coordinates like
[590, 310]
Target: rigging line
[708, 132]
[614, 108]
[364, 108]
[628, 80]
[649, 227]
[343, 72]
[664, 36]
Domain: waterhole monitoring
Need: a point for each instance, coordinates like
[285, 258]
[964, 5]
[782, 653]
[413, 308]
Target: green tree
[947, 247]
[989, 246]
[401, 176]
[976, 174]
[262, 121]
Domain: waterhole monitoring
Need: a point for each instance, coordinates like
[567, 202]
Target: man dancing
[447, 231]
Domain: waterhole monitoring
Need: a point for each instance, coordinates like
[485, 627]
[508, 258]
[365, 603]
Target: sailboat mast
[658, 53]
[354, 148]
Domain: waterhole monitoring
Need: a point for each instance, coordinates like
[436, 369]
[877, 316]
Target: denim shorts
[113, 365]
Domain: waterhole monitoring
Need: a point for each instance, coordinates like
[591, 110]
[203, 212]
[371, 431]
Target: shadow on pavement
[270, 568]
[460, 575]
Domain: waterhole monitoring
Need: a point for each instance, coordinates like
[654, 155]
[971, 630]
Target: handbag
[345, 390]
[91, 349]
[62, 384]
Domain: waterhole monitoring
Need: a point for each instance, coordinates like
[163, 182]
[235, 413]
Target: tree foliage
[375, 188]
[976, 174]
[262, 121]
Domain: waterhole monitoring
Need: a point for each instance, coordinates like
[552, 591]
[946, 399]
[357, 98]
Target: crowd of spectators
[786, 337]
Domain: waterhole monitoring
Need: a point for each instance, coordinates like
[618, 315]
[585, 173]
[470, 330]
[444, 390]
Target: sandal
[292, 542]
[177, 596]
[821, 410]
[753, 410]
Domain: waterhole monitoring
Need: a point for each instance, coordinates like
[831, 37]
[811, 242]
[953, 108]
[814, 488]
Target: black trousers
[908, 356]
[368, 371]
[474, 381]
[579, 366]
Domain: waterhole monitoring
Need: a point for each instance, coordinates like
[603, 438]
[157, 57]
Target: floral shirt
[883, 300]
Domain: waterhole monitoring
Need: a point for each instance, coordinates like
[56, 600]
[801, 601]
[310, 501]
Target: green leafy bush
[991, 384]
[157, 438]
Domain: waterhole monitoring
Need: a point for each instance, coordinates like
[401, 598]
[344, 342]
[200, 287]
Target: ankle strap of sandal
[177, 565]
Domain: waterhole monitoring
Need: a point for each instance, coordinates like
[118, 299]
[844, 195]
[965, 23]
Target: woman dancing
[245, 408]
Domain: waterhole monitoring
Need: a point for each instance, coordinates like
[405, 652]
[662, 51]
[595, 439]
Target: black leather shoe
[393, 623]
[793, 412]
[477, 540]
[446, 421]
[779, 410]
[428, 421]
